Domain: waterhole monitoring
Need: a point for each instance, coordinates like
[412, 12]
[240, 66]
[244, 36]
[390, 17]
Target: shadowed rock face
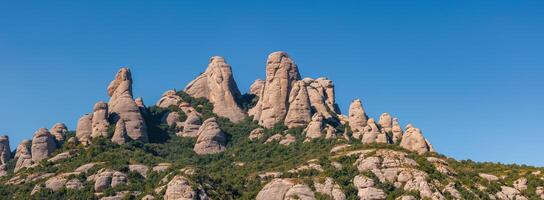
[218, 86]
[122, 106]
[273, 104]
[23, 155]
[211, 138]
[43, 145]
[169, 98]
[5, 154]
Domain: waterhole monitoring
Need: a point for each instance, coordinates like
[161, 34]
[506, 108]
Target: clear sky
[470, 74]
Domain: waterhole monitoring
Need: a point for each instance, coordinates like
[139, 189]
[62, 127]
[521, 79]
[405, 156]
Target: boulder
[211, 139]
[74, 184]
[275, 190]
[397, 131]
[357, 118]
[118, 178]
[59, 130]
[179, 188]
[300, 111]
[161, 167]
[43, 145]
[169, 98]
[61, 156]
[171, 118]
[218, 86]
[281, 74]
[122, 106]
[329, 188]
[106, 178]
[370, 193]
[328, 93]
[23, 155]
[256, 134]
[256, 88]
[191, 126]
[120, 136]
[300, 191]
[315, 128]
[100, 124]
[84, 129]
[413, 140]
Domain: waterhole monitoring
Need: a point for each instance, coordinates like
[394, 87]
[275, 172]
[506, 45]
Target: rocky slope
[285, 139]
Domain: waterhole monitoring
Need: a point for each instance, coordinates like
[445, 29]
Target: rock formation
[211, 138]
[59, 130]
[413, 140]
[43, 145]
[300, 111]
[256, 134]
[84, 129]
[179, 188]
[100, 124]
[321, 93]
[371, 133]
[329, 188]
[5, 154]
[357, 118]
[169, 98]
[257, 87]
[140, 103]
[120, 136]
[191, 126]
[23, 155]
[280, 189]
[396, 130]
[122, 106]
[386, 123]
[315, 128]
[281, 74]
[218, 86]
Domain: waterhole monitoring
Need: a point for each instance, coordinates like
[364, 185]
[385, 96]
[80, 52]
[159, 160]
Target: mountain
[285, 139]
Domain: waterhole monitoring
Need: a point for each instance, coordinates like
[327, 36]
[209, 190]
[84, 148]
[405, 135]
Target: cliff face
[208, 142]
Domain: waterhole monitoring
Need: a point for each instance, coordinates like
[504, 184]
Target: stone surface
[357, 118]
[386, 123]
[256, 88]
[140, 169]
[372, 134]
[120, 135]
[299, 113]
[413, 140]
[300, 191]
[100, 124]
[191, 126]
[329, 188]
[171, 118]
[281, 74]
[43, 145]
[23, 155]
[275, 190]
[60, 156]
[59, 130]
[315, 128]
[218, 86]
[169, 98]
[319, 91]
[5, 154]
[287, 140]
[211, 138]
[179, 188]
[122, 106]
[256, 134]
[84, 129]
[397, 131]
[521, 184]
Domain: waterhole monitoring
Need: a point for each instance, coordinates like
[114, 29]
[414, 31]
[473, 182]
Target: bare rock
[140, 169]
[43, 145]
[300, 112]
[84, 129]
[372, 134]
[273, 138]
[118, 178]
[413, 140]
[361, 181]
[23, 155]
[86, 167]
[148, 197]
[211, 139]
[319, 91]
[179, 188]
[287, 140]
[74, 184]
[161, 167]
[488, 177]
[5, 154]
[281, 74]
[521, 184]
[120, 136]
[300, 191]
[106, 178]
[59, 130]
[169, 98]
[218, 86]
[357, 118]
[256, 134]
[191, 126]
[397, 131]
[122, 106]
[257, 87]
[100, 124]
[329, 188]
[171, 118]
[370, 193]
[275, 190]
[140, 103]
[330, 132]
[386, 123]
[508, 193]
[315, 128]
[61, 156]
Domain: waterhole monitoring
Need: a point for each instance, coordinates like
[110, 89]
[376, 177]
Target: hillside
[285, 139]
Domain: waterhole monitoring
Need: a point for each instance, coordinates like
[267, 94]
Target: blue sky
[470, 74]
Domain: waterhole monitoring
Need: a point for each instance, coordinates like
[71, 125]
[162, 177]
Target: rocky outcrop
[179, 188]
[315, 127]
[281, 74]
[257, 87]
[140, 103]
[122, 106]
[84, 129]
[357, 118]
[211, 138]
[59, 130]
[300, 111]
[5, 154]
[191, 126]
[171, 119]
[321, 93]
[100, 124]
[386, 123]
[218, 86]
[120, 136]
[366, 190]
[106, 178]
[280, 189]
[397, 131]
[521, 184]
[169, 98]
[413, 140]
[23, 155]
[43, 145]
[329, 188]
[372, 133]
